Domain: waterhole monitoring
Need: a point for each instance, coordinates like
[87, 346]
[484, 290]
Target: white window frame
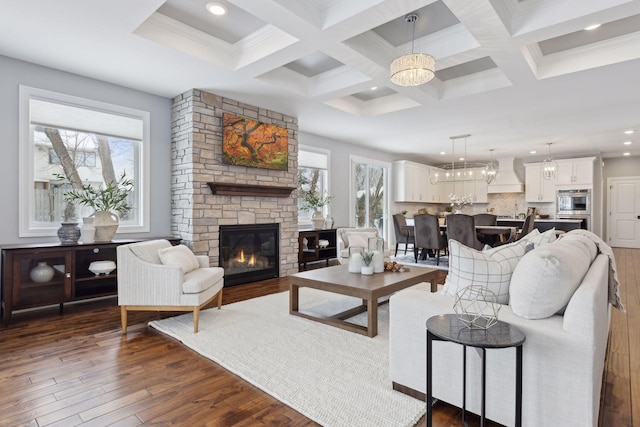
[26, 155]
[327, 209]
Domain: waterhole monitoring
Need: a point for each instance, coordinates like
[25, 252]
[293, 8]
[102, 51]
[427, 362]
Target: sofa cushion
[545, 279]
[579, 239]
[539, 239]
[201, 279]
[148, 251]
[179, 256]
[491, 268]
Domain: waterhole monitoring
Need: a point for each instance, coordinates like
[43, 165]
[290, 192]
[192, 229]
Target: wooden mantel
[231, 189]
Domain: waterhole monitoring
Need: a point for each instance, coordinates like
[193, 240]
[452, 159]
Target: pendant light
[413, 69]
[491, 171]
[549, 167]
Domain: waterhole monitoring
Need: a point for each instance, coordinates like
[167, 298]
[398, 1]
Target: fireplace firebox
[249, 252]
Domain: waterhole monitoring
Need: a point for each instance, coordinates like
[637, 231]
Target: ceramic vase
[41, 273]
[328, 223]
[69, 233]
[88, 230]
[367, 270]
[376, 246]
[106, 225]
[317, 220]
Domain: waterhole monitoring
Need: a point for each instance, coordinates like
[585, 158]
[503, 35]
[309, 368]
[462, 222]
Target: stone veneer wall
[197, 159]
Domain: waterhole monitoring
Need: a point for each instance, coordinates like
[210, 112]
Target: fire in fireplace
[249, 252]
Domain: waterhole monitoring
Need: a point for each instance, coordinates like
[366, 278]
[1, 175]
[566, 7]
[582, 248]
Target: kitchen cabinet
[538, 189]
[412, 184]
[575, 173]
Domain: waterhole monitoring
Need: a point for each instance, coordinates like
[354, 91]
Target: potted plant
[367, 268]
[108, 202]
[316, 201]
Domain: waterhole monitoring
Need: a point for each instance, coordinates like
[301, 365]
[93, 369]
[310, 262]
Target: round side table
[448, 327]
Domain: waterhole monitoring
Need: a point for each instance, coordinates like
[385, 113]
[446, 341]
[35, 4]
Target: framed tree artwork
[248, 142]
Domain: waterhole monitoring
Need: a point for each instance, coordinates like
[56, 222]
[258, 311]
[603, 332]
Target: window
[313, 177]
[369, 195]
[66, 141]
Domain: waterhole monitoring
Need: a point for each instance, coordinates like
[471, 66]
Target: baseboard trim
[409, 391]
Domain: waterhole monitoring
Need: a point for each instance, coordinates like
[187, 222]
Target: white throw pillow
[539, 239]
[491, 268]
[179, 256]
[546, 278]
[582, 241]
[360, 238]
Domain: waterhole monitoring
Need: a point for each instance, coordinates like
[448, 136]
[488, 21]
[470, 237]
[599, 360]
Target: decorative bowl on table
[102, 267]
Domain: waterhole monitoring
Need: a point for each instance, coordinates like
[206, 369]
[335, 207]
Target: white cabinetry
[476, 188]
[538, 189]
[575, 172]
[412, 184]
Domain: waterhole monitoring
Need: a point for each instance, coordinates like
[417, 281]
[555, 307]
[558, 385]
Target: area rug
[409, 260]
[332, 376]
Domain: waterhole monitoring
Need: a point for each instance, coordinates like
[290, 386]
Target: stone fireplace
[198, 211]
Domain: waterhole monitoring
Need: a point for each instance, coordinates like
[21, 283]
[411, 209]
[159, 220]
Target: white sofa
[563, 355]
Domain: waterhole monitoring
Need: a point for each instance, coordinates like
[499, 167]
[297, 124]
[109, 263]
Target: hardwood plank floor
[77, 368]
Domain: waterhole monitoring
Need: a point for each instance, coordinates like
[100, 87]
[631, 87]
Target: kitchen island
[545, 224]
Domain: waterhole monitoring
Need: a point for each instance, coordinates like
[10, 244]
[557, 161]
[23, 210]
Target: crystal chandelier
[491, 171]
[549, 167]
[413, 69]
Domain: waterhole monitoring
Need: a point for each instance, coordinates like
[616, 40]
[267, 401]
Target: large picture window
[66, 142]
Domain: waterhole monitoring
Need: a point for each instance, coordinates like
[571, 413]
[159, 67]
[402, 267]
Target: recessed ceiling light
[374, 88]
[629, 132]
[461, 158]
[442, 153]
[592, 27]
[217, 9]
[626, 154]
[627, 143]
[532, 152]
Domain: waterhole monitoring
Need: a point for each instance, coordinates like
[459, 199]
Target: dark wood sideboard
[309, 249]
[72, 280]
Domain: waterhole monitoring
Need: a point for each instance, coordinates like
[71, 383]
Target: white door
[623, 226]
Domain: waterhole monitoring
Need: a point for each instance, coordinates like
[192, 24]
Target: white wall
[15, 73]
[340, 170]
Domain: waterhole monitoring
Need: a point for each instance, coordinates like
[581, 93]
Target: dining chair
[527, 226]
[486, 219]
[427, 236]
[461, 228]
[403, 236]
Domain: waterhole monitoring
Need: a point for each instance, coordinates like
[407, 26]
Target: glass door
[369, 196]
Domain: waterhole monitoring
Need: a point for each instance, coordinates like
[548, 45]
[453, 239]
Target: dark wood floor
[77, 368]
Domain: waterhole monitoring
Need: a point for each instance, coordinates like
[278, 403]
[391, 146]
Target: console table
[309, 249]
[71, 281]
[447, 327]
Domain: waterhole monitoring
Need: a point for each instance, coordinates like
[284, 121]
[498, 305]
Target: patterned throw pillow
[539, 239]
[490, 268]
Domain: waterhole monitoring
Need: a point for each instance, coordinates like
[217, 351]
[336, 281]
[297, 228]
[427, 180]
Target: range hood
[507, 181]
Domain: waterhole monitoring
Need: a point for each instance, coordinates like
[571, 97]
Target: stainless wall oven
[574, 204]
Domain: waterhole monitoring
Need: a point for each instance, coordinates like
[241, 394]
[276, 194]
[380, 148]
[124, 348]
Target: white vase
[367, 270]
[88, 230]
[355, 259]
[317, 220]
[106, 224]
[41, 273]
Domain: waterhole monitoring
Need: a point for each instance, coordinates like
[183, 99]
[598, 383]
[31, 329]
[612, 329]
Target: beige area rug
[332, 376]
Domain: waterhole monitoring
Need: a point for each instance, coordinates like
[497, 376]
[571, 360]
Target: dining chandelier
[549, 167]
[413, 69]
[491, 170]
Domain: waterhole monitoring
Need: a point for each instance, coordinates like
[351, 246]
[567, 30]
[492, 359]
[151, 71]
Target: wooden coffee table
[370, 289]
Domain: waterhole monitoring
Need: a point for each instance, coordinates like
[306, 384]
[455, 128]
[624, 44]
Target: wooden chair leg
[219, 299]
[196, 319]
[123, 319]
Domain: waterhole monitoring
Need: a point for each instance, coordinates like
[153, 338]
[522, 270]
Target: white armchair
[156, 276]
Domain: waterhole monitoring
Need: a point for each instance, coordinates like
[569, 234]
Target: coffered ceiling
[513, 74]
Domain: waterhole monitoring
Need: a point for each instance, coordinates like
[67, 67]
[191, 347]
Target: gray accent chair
[405, 237]
[461, 228]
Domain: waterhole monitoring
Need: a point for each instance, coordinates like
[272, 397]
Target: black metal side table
[447, 327]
